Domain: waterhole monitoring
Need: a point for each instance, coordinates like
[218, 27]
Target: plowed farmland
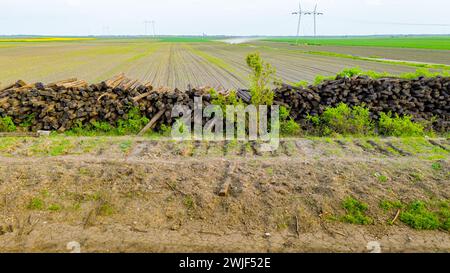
[140, 195]
[177, 64]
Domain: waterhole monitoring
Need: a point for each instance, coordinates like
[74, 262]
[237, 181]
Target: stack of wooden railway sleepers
[64, 104]
[422, 98]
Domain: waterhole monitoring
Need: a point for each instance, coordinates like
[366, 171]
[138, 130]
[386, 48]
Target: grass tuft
[356, 212]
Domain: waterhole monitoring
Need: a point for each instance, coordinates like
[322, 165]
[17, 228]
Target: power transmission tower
[300, 12]
[315, 13]
[152, 23]
[154, 29]
[146, 23]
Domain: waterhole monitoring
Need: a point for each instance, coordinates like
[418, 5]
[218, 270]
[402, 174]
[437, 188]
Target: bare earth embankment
[127, 194]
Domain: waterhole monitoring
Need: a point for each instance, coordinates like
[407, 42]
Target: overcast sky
[228, 17]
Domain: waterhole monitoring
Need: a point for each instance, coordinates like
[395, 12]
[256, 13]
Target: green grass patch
[355, 212]
[424, 42]
[388, 205]
[418, 216]
[44, 39]
[36, 204]
[436, 166]
[422, 215]
[356, 71]
[7, 124]
[106, 209]
[54, 207]
[186, 39]
[60, 147]
[381, 178]
[371, 59]
[126, 146]
[189, 202]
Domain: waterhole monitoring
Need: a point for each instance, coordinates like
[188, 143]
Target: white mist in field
[234, 41]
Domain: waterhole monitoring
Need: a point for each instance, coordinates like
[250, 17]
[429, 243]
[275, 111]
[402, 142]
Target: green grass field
[44, 39]
[425, 42]
[186, 39]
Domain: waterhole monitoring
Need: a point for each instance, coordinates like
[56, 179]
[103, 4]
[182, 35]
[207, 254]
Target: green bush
[7, 125]
[344, 120]
[288, 126]
[263, 75]
[133, 124]
[224, 101]
[399, 126]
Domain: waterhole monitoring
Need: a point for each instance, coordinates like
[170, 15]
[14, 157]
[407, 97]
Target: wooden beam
[141, 96]
[152, 122]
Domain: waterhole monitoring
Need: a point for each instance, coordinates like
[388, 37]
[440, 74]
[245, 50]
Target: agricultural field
[360, 160]
[424, 42]
[179, 61]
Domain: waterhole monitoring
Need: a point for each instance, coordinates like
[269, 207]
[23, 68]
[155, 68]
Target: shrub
[344, 120]
[134, 122]
[288, 126]
[223, 101]
[263, 74]
[7, 125]
[399, 126]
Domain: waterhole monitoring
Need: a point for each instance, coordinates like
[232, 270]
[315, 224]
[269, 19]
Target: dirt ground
[139, 195]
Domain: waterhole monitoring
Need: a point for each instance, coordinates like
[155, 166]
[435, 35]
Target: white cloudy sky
[229, 17]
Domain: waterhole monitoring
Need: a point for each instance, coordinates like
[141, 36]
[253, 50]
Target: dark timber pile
[422, 98]
[60, 105]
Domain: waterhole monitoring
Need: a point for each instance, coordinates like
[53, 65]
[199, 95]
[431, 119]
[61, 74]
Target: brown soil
[162, 196]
